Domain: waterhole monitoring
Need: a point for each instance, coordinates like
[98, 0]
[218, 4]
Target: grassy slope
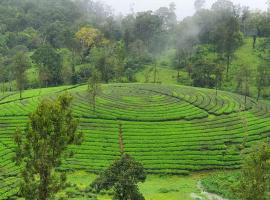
[246, 55]
[155, 187]
[165, 75]
[224, 183]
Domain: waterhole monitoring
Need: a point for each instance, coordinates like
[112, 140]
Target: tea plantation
[170, 129]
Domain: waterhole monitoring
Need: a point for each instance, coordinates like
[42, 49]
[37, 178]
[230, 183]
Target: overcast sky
[184, 7]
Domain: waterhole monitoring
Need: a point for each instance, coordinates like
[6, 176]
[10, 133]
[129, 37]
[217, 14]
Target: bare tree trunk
[3, 87]
[246, 92]
[94, 102]
[254, 41]
[10, 86]
[43, 187]
[259, 93]
[155, 73]
[73, 70]
[245, 100]
[228, 67]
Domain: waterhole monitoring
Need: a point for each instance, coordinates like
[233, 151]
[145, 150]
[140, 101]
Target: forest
[61, 42]
[99, 105]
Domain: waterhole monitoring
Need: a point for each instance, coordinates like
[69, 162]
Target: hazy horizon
[184, 8]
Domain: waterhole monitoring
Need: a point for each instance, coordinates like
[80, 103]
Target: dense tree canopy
[67, 39]
[49, 65]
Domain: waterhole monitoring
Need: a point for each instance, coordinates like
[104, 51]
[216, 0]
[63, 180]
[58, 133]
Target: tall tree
[243, 78]
[49, 65]
[203, 69]
[3, 73]
[147, 25]
[89, 38]
[262, 78]
[244, 17]
[94, 86]
[20, 65]
[40, 148]
[128, 27]
[106, 60]
[75, 48]
[227, 39]
[122, 176]
[218, 71]
[199, 4]
[183, 54]
[168, 17]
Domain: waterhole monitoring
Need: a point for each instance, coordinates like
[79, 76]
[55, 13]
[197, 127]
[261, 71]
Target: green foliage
[176, 187]
[94, 87]
[262, 80]
[170, 129]
[58, 34]
[195, 128]
[123, 176]
[206, 71]
[223, 183]
[20, 65]
[89, 37]
[109, 60]
[4, 72]
[255, 174]
[251, 182]
[39, 150]
[135, 41]
[49, 65]
[244, 77]
[146, 26]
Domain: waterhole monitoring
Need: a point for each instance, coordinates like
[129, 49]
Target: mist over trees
[66, 40]
[46, 43]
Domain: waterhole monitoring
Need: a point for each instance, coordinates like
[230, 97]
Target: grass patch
[155, 188]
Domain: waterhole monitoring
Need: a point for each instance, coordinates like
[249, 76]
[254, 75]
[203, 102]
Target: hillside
[170, 129]
[244, 55]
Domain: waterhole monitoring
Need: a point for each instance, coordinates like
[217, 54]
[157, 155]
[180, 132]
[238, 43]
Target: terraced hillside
[170, 129]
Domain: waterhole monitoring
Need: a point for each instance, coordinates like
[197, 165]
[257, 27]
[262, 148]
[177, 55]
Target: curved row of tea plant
[170, 129]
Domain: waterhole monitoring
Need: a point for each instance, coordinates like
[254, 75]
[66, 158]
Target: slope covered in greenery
[170, 129]
[248, 56]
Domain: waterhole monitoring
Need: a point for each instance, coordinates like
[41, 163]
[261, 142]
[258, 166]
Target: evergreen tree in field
[94, 86]
[123, 176]
[255, 179]
[244, 78]
[20, 65]
[39, 149]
